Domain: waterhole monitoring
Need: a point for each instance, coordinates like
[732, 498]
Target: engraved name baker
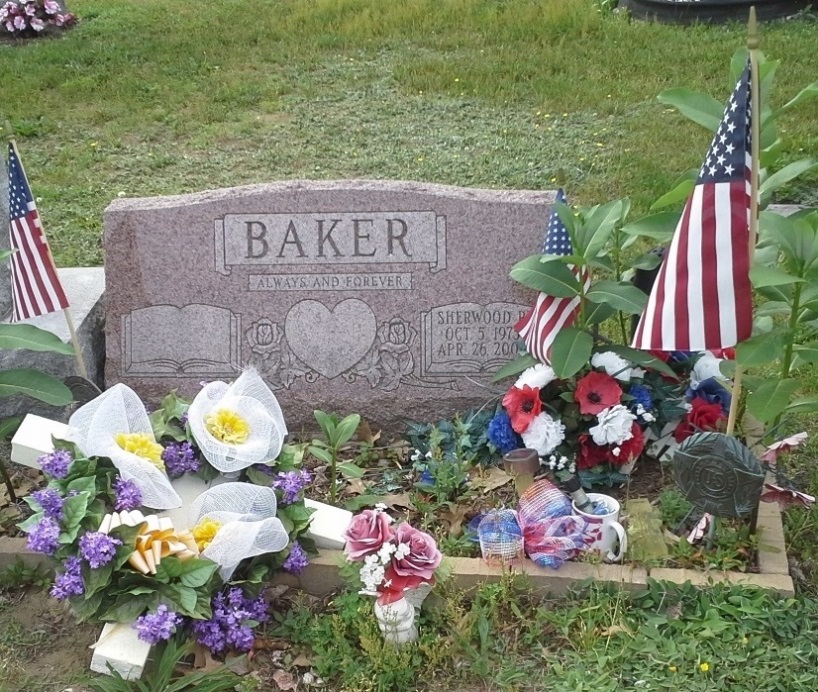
[330, 238]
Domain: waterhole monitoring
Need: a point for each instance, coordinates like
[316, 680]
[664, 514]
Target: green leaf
[805, 405]
[805, 94]
[657, 226]
[346, 429]
[36, 384]
[353, 504]
[85, 609]
[570, 351]
[129, 607]
[678, 194]
[74, 510]
[597, 313]
[197, 572]
[96, 579]
[350, 470]
[552, 278]
[761, 349]
[31, 338]
[701, 108]
[85, 484]
[771, 398]
[325, 422]
[258, 477]
[647, 261]
[186, 597]
[597, 228]
[321, 454]
[786, 174]
[762, 276]
[515, 367]
[8, 426]
[621, 296]
[807, 352]
[642, 358]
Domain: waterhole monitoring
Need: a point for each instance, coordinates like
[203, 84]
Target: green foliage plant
[336, 433]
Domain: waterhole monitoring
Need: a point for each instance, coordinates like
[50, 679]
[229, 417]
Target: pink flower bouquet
[393, 560]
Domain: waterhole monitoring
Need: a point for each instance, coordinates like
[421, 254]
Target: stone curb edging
[322, 575]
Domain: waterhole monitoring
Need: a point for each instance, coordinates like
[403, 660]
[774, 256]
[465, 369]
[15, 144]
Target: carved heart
[330, 342]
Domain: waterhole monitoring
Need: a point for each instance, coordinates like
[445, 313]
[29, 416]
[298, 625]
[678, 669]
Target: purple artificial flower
[229, 626]
[69, 583]
[43, 538]
[51, 502]
[180, 458]
[297, 560]
[128, 495]
[158, 626]
[56, 463]
[291, 483]
[98, 549]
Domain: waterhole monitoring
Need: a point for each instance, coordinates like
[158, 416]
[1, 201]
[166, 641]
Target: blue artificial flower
[502, 435]
[641, 395]
[426, 478]
[712, 392]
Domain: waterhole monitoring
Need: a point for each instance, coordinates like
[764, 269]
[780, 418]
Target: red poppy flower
[596, 392]
[589, 453]
[629, 449]
[702, 416]
[523, 405]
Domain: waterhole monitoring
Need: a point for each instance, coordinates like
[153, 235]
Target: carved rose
[264, 337]
[397, 335]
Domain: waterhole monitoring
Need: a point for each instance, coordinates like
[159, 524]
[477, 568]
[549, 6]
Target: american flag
[702, 299]
[35, 286]
[540, 325]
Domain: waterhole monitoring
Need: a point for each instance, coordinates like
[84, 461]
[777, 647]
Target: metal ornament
[717, 474]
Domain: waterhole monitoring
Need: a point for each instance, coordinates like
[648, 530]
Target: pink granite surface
[391, 299]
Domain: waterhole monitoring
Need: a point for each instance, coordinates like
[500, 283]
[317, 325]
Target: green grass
[505, 638]
[155, 97]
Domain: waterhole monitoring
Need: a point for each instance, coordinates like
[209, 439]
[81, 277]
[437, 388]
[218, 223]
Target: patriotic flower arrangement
[390, 560]
[32, 17]
[201, 571]
[595, 423]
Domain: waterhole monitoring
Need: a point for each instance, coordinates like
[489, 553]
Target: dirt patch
[40, 640]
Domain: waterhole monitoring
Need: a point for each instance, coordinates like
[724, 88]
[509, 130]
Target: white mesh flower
[247, 515]
[537, 376]
[237, 425]
[116, 425]
[613, 364]
[544, 434]
[615, 426]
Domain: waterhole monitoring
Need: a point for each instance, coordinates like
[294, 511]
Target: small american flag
[540, 325]
[35, 286]
[702, 298]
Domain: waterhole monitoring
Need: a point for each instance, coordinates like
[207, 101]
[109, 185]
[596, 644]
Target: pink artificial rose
[423, 557]
[366, 533]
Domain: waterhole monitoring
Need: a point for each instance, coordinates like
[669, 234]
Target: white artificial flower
[402, 551]
[644, 415]
[613, 364]
[615, 426]
[372, 575]
[385, 553]
[544, 434]
[637, 373]
[706, 366]
[537, 376]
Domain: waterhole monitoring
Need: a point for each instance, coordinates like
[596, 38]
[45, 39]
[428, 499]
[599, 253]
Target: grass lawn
[157, 97]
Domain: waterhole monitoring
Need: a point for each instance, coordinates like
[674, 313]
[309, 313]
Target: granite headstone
[390, 299]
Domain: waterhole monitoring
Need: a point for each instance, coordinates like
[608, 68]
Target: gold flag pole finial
[560, 177]
[752, 30]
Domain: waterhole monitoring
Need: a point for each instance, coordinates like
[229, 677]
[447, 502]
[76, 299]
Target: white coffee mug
[604, 530]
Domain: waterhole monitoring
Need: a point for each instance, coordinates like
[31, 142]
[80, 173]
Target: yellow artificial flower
[205, 531]
[672, 669]
[143, 445]
[227, 426]
[704, 667]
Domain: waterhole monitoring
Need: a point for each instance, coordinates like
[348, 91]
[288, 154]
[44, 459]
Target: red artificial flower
[664, 356]
[393, 585]
[702, 416]
[596, 392]
[523, 405]
[629, 449]
[728, 353]
[590, 454]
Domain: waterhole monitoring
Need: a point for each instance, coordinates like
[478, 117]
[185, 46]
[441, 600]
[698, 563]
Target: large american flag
[540, 325]
[35, 286]
[702, 298]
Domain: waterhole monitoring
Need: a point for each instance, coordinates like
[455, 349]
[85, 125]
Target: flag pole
[68, 320]
[755, 136]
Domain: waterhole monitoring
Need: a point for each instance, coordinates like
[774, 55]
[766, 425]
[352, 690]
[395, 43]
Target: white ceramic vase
[397, 621]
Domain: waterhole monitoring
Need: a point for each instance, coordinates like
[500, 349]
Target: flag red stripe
[682, 338]
[740, 232]
[709, 263]
[29, 249]
[29, 304]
